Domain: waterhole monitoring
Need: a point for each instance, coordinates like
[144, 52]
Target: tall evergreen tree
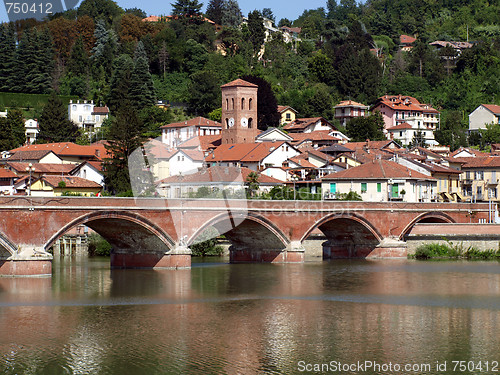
[359, 129]
[8, 60]
[256, 30]
[15, 120]
[123, 66]
[78, 60]
[141, 82]
[231, 15]
[268, 13]
[54, 123]
[124, 137]
[187, 8]
[45, 62]
[105, 48]
[204, 93]
[267, 105]
[26, 67]
[6, 136]
[215, 10]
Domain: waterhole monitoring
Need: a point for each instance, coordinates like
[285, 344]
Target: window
[80, 118]
[250, 103]
[379, 187]
[232, 103]
[74, 107]
[479, 175]
[333, 187]
[227, 103]
[242, 103]
[363, 187]
[288, 116]
[97, 118]
[494, 177]
[250, 123]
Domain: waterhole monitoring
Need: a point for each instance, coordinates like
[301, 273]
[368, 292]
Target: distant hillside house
[287, 113]
[406, 42]
[31, 130]
[87, 115]
[406, 132]
[308, 125]
[349, 109]
[483, 115]
[174, 134]
[7, 180]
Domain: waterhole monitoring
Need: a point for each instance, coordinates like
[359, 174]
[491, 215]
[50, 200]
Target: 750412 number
[25, 8]
[470, 366]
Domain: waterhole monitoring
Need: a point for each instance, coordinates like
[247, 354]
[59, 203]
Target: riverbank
[454, 251]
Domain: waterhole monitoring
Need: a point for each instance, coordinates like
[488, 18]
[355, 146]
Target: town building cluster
[305, 154]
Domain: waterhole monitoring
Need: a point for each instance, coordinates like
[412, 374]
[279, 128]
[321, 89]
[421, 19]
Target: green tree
[141, 90]
[124, 137]
[187, 9]
[215, 10]
[268, 13]
[452, 131]
[320, 104]
[231, 15]
[359, 129]
[105, 49]
[321, 68]
[252, 184]
[418, 139]
[491, 134]
[54, 123]
[15, 119]
[267, 105]
[78, 61]
[106, 10]
[6, 136]
[123, 66]
[256, 31]
[8, 60]
[204, 93]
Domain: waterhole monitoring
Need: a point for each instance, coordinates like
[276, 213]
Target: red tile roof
[406, 39]
[403, 103]
[67, 149]
[350, 103]
[197, 121]
[283, 108]
[205, 142]
[401, 126]
[5, 173]
[21, 155]
[482, 162]
[220, 174]
[303, 162]
[377, 145]
[318, 135]
[242, 152]
[20, 167]
[239, 82]
[379, 170]
[495, 109]
[302, 123]
[100, 111]
[195, 154]
[71, 182]
[469, 150]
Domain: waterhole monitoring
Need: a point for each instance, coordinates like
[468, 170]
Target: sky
[290, 9]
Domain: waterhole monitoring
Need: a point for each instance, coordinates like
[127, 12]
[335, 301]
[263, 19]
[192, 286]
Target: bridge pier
[387, 248]
[27, 261]
[177, 258]
[293, 253]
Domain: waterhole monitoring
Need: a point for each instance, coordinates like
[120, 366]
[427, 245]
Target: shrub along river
[253, 318]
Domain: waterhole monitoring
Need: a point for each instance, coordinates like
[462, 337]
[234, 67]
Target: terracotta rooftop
[404, 103]
[319, 135]
[401, 126]
[370, 145]
[406, 39]
[302, 162]
[350, 103]
[49, 168]
[28, 155]
[243, 152]
[469, 150]
[205, 142]
[302, 123]
[100, 111]
[239, 82]
[5, 173]
[482, 162]
[377, 169]
[71, 182]
[97, 150]
[495, 109]
[282, 108]
[219, 174]
[197, 121]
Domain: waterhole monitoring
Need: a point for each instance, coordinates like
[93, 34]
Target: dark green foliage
[457, 251]
[208, 246]
[268, 13]
[152, 118]
[6, 136]
[124, 136]
[15, 120]
[136, 12]
[267, 105]
[351, 196]
[98, 246]
[120, 83]
[252, 184]
[204, 93]
[360, 129]
[453, 130]
[54, 123]
[8, 60]
[106, 10]
[232, 14]
[186, 8]
[78, 62]
[141, 90]
[256, 31]
[215, 10]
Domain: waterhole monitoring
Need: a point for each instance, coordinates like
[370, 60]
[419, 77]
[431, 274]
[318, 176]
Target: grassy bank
[28, 102]
[454, 251]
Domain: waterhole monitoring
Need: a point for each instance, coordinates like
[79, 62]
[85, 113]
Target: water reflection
[246, 319]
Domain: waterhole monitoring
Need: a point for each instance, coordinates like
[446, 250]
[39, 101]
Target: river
[219, 318]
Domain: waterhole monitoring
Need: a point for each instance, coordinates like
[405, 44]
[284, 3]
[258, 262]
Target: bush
[98, 246]
[450, 250]
[208, 245]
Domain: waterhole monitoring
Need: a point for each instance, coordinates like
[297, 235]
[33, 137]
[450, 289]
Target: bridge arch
[348, 235]
[126, 232]
[7, 248]
[428, 217]
[246, 231]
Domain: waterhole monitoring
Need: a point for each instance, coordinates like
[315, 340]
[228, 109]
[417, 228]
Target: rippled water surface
[252, 319]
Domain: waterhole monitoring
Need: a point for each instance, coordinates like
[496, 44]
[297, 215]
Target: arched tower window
[232, 103]
[250, 121]
[227, 103]
[250, 104]
[227, 123]
[242, 103]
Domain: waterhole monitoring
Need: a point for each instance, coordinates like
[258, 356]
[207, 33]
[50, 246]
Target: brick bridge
[157, 233]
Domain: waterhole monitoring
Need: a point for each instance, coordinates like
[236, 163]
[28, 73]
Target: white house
[31, 130]
[483, 115]
[89, 170]
[405, 132]
[185, 162]
[349, 109]
[176, 133]
[7, 180]
[308, 125]
[381, 181]
[87, 115]
[273, 135]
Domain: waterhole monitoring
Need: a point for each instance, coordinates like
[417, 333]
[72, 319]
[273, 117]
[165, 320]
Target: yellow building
[50, 186]
[287, 113]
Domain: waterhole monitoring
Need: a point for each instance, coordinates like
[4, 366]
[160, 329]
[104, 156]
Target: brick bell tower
[239, 112]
